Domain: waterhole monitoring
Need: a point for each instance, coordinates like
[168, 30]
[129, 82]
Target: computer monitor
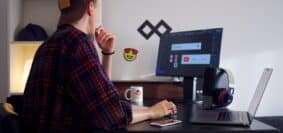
[187, 54]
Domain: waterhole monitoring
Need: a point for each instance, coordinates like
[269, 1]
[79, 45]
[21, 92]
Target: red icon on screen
[186, 59]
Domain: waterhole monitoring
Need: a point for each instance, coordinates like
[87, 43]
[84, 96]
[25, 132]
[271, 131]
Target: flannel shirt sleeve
[91, 88]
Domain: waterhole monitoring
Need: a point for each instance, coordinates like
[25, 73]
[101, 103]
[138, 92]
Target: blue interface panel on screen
[187, 54]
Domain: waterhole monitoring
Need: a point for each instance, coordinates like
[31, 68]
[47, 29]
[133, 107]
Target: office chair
[9, 119]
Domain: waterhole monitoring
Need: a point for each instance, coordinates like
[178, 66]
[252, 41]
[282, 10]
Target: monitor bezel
[195, 72]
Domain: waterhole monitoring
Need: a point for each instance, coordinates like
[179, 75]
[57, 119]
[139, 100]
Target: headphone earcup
[222, 98]
[217, 87]
[230, 96]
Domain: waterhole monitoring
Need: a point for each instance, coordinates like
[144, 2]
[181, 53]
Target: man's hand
[105, 39]
[161, 109]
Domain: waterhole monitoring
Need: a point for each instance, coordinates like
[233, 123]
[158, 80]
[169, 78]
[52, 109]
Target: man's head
[85, 13]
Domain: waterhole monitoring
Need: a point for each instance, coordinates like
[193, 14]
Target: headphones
[219, 88]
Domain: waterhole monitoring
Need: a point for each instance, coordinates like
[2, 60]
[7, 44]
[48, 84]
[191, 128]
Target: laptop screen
[260, 91]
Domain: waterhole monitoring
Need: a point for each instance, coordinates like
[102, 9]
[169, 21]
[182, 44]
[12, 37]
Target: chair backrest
[1, 130]
[17, 102]
[11, 124]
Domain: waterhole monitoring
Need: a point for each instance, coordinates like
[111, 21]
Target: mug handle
[126, 94]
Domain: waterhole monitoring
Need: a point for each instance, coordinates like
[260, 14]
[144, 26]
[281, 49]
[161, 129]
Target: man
[68, 89]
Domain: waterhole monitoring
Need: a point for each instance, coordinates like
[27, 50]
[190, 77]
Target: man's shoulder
[66, 37]
[69, 35]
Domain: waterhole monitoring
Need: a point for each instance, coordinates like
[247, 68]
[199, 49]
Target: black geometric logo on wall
[154, 29]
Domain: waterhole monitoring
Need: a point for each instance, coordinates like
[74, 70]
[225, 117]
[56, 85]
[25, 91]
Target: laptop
[236, 118]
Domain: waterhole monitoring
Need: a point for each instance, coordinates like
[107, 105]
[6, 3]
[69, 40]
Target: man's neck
[82, 26]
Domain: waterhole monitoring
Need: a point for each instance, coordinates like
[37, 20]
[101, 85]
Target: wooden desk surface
[184, 114]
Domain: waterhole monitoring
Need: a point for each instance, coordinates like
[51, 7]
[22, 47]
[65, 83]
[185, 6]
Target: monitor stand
[189, 89]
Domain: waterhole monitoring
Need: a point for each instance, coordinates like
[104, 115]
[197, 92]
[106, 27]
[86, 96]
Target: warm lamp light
[21, 58]
[26, 71]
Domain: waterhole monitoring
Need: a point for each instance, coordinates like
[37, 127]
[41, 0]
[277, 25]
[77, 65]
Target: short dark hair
[73, 10]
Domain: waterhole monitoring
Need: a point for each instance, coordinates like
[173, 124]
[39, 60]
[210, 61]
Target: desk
[184, 114]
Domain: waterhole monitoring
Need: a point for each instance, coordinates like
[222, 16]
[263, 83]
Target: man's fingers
[101, 35]
[100, 32]
[97, 32]
[105, 36]
[99, 29]
[172, 107]
[164, 101]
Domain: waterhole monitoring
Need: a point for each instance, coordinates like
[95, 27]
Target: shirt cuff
[128, 111]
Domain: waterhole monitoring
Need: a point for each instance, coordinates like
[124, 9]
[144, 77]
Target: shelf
[27, 43]
[143, 81]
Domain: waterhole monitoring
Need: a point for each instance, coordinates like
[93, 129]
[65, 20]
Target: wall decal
[130, 54]
[154, 29]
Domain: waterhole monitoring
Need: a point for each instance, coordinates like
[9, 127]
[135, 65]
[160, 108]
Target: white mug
[136, 94]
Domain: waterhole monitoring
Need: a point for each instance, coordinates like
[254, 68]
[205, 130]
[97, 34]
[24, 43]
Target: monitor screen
[187, 54]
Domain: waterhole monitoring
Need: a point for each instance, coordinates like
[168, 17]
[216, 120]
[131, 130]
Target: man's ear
[91, 8]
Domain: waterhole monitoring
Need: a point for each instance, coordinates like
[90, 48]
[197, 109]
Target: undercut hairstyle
[72, 10]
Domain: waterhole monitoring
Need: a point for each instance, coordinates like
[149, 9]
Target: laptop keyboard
[225, 116]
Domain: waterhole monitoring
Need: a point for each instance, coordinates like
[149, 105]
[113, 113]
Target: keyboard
[225, 116]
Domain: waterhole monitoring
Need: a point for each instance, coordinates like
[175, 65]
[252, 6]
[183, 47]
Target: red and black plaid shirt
[68, 89]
